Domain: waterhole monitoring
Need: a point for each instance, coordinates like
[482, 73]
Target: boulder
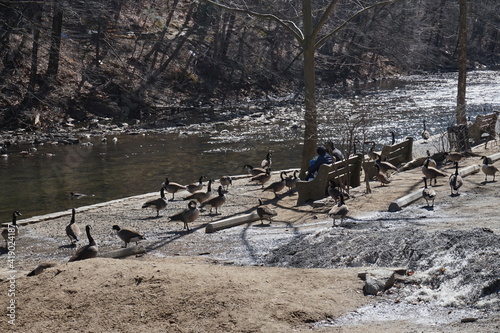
[378, 280]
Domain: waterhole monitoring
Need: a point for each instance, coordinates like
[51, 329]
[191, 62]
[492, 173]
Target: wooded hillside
[130, 59]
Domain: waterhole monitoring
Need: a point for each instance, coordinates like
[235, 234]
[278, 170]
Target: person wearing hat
[322, 158]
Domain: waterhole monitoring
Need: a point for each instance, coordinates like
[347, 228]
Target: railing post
[409, 155]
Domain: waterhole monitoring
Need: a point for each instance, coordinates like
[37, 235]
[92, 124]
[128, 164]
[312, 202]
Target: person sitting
[322, 158]
[334, 152]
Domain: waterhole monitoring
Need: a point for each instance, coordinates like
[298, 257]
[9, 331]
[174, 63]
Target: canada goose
[428, 193]
[425, 133]
[487, 168]
[334, 190]
[431, 172]
[291, 181]
[201, 195]
[372, 155]
[75, 195]
[14, 231]
[455, 181]
[339, 210]
[158, 204]
[276, 186]
[195, 186]
[393, 137]
[381, 176]
[87, 251]
[128, 235]
[173, 187]
[432, 162]
[266, 163]
[215, 202]
[254, 171]
[225, 181]
[187, 215]
[265, 212]
[385, 166]
[262, 177]
[72, 229]
[453, 156]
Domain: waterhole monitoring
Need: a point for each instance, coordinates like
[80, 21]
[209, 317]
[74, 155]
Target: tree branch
[322, 40]
[328, 11]
[288, 25]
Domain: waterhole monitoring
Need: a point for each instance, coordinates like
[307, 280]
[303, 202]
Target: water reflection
[39, 184]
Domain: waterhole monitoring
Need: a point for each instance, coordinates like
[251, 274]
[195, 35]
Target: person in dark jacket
[322, 158]
[334, 152]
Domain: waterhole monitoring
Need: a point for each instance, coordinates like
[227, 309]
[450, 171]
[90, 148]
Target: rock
[378, 280]
[373, 286]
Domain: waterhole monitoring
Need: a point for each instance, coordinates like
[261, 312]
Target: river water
[41, 182]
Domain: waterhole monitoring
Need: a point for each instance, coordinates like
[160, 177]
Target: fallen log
[231, 222]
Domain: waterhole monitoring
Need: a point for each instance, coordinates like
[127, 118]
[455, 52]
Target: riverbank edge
[395, 205]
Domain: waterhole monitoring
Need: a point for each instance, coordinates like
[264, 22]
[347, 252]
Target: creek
[41, 182]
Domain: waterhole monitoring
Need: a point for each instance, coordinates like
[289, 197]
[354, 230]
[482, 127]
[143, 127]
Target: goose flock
[200, 199]
[430, 170]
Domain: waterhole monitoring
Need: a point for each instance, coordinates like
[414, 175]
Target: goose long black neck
[341, 201]
[89, 236]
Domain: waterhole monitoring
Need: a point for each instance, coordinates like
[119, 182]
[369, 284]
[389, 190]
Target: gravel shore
[459, 235]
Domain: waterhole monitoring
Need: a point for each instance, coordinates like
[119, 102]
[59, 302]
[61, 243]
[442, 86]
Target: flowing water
[42, 182]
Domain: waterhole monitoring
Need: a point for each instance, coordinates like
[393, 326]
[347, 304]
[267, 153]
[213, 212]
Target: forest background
[137, 59]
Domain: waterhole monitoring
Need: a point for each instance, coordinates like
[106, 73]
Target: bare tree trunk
[462, 64]
[463, 140]
[55, 43]
[158, 44]
[37, 20]
[311, 114]
[98, 43]
[229, 30]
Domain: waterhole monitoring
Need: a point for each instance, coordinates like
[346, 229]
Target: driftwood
[231, 222]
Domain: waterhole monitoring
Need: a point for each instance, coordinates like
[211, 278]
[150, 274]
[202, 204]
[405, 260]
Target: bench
[396, 154]
[486, 127]
[346, 172]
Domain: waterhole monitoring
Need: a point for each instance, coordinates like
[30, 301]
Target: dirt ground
[220, 282]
